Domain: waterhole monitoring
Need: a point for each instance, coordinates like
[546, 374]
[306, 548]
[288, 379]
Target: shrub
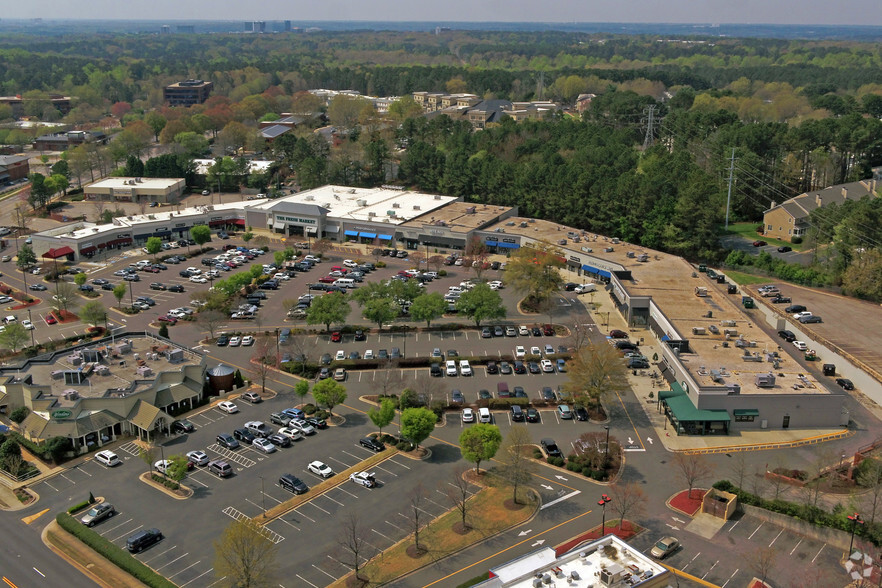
[115, 555]
[442, 273]
[322, 414]
[381, 264]
[403, 446]
[796, 240]
[537, 454]
[79, 506]
[19, 414]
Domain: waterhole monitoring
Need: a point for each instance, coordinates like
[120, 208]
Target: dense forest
[781, 116]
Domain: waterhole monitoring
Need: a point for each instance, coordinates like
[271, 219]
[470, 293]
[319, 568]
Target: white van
[484, 415]
[455, 289]
[345, 283]
[108, 458]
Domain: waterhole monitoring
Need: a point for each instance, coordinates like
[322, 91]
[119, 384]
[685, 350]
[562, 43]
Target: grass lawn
[747, 279]
[488, 516]
[748, 231]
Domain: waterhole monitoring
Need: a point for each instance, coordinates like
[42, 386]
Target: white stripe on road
[561, 499]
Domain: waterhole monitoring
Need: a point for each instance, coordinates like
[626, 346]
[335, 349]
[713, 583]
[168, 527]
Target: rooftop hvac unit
[765, 380]
[470, 210]
[390, 213]
[372, 214]
[396, 205]
[437, 197]
[361, 202]
[385, 220]
[416, 206]
[309, 198]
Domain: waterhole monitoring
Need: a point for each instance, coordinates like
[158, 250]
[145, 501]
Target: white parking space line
[66, 478]
[730, 578]
[795, 546]
[293, 526]
[819, 552]
[399, 464]
[757, 529]
[307, 581]
[347, 492]
[776, 537]
[710, 570]
[332, 500]
[252, 503]
[359, 458]
[324, 572]
[691, 560]
[79, 468]
[383, 536]
[147, 561]
[304, 516]
[50, 485]
[126, 534]
[385, 470]
[394, 525]
[116, 527]
[311, 503]
[197, 577]
[436, 504]
[173, 561]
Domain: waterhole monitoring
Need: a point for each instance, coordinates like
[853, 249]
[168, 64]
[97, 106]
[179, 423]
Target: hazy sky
[864, 12]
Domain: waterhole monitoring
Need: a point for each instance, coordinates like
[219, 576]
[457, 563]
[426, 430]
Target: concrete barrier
[832, 537]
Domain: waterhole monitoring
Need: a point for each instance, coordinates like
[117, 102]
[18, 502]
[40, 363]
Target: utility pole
[649, 112]
[731, 180]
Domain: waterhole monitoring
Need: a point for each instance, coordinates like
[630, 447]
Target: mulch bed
[510, 504]
[689, 505]
[459, 529]
[413, 552]
[24, 496]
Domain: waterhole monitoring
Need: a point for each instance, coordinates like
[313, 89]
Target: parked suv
[292, 483]
[143, 539]
[98, 513]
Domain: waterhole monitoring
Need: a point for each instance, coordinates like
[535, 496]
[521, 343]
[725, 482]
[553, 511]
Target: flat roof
[460, 216]
[153, 183]
[254, 165]
[380, 205]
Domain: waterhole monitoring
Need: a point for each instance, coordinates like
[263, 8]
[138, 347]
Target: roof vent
[416, 206]
[396, 205]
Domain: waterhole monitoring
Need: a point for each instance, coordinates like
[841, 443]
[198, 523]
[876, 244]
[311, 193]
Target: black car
[519, 392]
[570, 286]
[371, 443]
[548, 394]
[532, 415]
[157, 286]
[520, 368]
[787, 336]
[456, 397]
[484, 395]
[87, 288]
[353, 355]
[292, 483]
[326, 359]
[143, 539]
[184, 274]
[396, 353]
[580, 412]
[536, 331]
[451, 353]
[435, 370]
[845, 383]
[243, 435]
[781, 299]
[534, 367]
[784, 249]
[176, 288]
[360, 336]
[182, 426]
[228, 441]
[550, 447]
[222, 341]
[495, 265]
[160, 266]
[316, 422]
[108, 286]
[492, 368]
[382, 355]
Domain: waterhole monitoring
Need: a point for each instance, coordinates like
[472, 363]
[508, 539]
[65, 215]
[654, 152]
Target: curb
[54, 528]
[161, 488]
[684, 513]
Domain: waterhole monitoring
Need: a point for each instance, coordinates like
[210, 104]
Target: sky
[801, 12]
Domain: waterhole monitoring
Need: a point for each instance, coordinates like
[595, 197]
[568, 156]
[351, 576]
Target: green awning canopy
[746, 412]
[675, 390]
[684, 411]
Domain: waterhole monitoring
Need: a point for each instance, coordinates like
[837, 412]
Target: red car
[50, 319]
[548, 330]
[618, 334]
[336, 337]
[327, 280]
[759, 243]
[167, 319]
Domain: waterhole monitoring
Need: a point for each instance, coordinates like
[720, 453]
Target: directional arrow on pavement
[561, 478]
[679, 521]
[527, 532]
[630, 441]
[673, 527]
[649, 439]
[547, 487]
[540, 542]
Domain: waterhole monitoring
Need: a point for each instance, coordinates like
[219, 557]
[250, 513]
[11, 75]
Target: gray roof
[800, 207]
[221, 370]
[274, 131]
[295, 208]
[12, 159]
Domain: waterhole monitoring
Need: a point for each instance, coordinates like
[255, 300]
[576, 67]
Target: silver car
[98, 513]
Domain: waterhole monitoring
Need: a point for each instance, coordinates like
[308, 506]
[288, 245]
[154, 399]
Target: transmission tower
[649, 114]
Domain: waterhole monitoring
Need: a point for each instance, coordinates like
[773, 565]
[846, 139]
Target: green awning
[684, 411]
[676, 390]
[746, 412]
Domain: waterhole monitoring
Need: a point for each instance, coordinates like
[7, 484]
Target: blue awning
[351, 233]
[507, 245]
[386, 237]
[594, 270]
[368, 235]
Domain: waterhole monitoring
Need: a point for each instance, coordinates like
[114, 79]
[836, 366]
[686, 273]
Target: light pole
[602, 502]
[855, 521]
[33, 344]
[263, 495]
[277, 346]
[131, 295]
[607, 441]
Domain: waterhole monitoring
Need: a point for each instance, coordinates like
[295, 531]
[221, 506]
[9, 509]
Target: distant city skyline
[803, 12]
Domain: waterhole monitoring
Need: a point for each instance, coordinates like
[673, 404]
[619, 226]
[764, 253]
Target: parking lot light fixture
[263, 496]
[606, 451]
[855, 521]
[602, 502]
[33, 344]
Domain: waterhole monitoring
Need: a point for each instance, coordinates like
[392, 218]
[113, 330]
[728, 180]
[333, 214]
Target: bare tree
[594, 373]
[739, 468]
[870, 477]
[628, 499]
[417, 258]
[693, 468]
[429, 389]
[211, 320]
[775, 481]
[352, 542]
[580, 335]
[22, 218]
[389, 380]
[514, 454]
[262, 361]
[811, 491]
[762, 562]
[99, 205]
[459, 493]
[416, 515]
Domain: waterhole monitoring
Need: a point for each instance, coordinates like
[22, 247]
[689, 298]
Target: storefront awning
[216, 223]
[502, 245]
[311, 230]
[351, 233]
[684, 411]
[87, 250]
[746, 412]
[386, 237]
[278, 226]
[368, 235]
[56, 253]
[162, 233]
[595, 270]
[239, 222]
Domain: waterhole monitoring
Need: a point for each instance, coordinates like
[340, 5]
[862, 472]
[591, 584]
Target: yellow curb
[765, 446]
[34, 517]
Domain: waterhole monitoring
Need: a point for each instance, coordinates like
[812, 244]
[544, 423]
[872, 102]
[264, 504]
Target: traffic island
[180, 492]
[687, 502]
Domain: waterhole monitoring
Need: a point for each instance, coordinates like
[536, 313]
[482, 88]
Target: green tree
[479, 443]
[119, 291]
[93, 313]
[405, 107]
[245, 556]
[25, 257]
[383, 415]
[247, 236]
[344, 110]
[80, 279]
[156, 122]
[177, 469]
[163, 330]
[428, 307]
[14, 336]
[154, 246]
[201, 234]
[535, 272]
[328, 310]
[380, 311]
[417, 424]
[329, 393]
[301, 389]
[480, 304]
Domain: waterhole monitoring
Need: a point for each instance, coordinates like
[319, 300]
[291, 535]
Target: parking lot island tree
[352, 542]
[380, 311]
[480, 443]
[328, 310]
[154, 246]
[65, 299]
[301, 389]
[382, 415]
[80, 279]
[628, 499]
[458, 492]
[245, 556]
[329, 393]
[693, 468]
[595, 371]
[211, 320]
[93, 313]
[428, 307]
[177, 469]
[481, 303]
[14, 336]
[517, 466]
[534, 272]
[417, 424]
[416, 514]
[321, 246]
[262, 362]
[119, 292]
[201, 234]
[25, 257]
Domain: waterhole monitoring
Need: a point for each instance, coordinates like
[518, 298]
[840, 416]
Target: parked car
[243, 435]
[371, 443]
[263, 445]
[292, 483]
[199, 458]
[227, 440]
[784, 249]
[810, 319]
[550, 447]
[532, 415]
[580, 412]
[320, 469]
[664, 547]
[468, 415]
[365, 479]
[107, 458]
[759, 243]
[252, 397]
[98, 513]
[228, 407]
[291, 433]
[845, 383]
[788, 336]
[143, 539]
[182, 426]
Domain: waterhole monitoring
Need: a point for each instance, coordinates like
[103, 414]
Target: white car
[200, 458]
[496, 285]
[107, 458]
[176, 313]
[247, 340]
[369, 354]
[291, 433]
[451, 367]
[228, 407]
[800, 315]
[27, 324]
[302, 426]
[263, 444]
[800, 345]
[320, 469]
[535, 351]
[520, 352]
[468, 415]
[464, 367]
[234, 341]
[162, 466]
[365, 479]
[523, 331]
[349, 263]
[546, 365]
[281, 276]
[195, 271]
[340, 356]
[585, 288]
[198, 279]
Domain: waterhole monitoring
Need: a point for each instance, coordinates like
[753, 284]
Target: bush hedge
[115, 555]
[79, 506]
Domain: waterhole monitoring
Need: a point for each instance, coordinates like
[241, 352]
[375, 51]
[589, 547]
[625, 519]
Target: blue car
[561, 366]
[294, 413]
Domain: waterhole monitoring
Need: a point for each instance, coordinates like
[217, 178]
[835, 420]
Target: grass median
[491, 511]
